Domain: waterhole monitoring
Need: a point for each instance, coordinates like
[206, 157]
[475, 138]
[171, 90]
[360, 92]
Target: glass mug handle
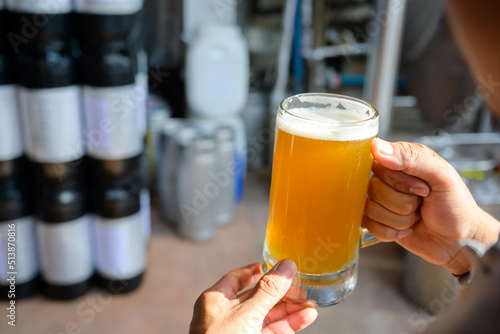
[367, 239]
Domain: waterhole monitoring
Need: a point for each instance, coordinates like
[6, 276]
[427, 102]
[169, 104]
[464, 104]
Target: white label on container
[52, 125]
[65, 251]
[25, 263]
[40, 6]
[11, 145]
[111, 127]
[109, 7]
[121, 248]
[146, 214]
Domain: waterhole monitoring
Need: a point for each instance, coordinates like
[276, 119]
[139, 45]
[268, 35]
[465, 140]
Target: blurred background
[136, 144]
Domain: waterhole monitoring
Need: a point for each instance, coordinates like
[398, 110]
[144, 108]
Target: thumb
[413, 159]
[271, 288]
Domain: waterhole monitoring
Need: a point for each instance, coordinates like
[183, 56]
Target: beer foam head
[327, 117]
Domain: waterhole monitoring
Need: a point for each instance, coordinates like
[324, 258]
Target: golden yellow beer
[321, 169]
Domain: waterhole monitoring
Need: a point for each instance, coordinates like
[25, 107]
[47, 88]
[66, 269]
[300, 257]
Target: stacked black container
[18, 257]
[115, 128]
[43, 39]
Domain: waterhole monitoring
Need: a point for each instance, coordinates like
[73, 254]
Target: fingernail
[385, 147]
[405, 233]
[313, 304]
[420, 191]
[286, 269]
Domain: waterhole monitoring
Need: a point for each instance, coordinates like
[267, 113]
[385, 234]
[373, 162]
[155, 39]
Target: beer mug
[321, 168]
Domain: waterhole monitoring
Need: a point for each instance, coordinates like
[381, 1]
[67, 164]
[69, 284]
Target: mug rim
[331, 95]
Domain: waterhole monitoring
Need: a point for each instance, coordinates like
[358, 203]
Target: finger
[271, 288]
[244, 295]
[390, 198]
[284, 309]
[383, 232]
[293, 323]
[400, 181]
[295, 294]
[237, 280]
[380, 214]
[414, 159]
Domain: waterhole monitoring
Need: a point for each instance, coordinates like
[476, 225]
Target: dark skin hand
[418, 200]
[227, 307]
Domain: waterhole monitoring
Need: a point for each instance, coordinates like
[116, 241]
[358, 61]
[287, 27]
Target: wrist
[486, 231]
[459, 265]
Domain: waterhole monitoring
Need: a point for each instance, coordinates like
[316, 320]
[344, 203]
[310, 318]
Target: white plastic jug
[217, 72]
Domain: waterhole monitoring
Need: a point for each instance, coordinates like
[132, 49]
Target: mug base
[325, 289]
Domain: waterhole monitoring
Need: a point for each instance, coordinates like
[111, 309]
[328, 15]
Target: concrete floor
[180, 270]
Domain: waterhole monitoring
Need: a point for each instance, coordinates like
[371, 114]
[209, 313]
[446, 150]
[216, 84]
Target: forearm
[475, 27]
